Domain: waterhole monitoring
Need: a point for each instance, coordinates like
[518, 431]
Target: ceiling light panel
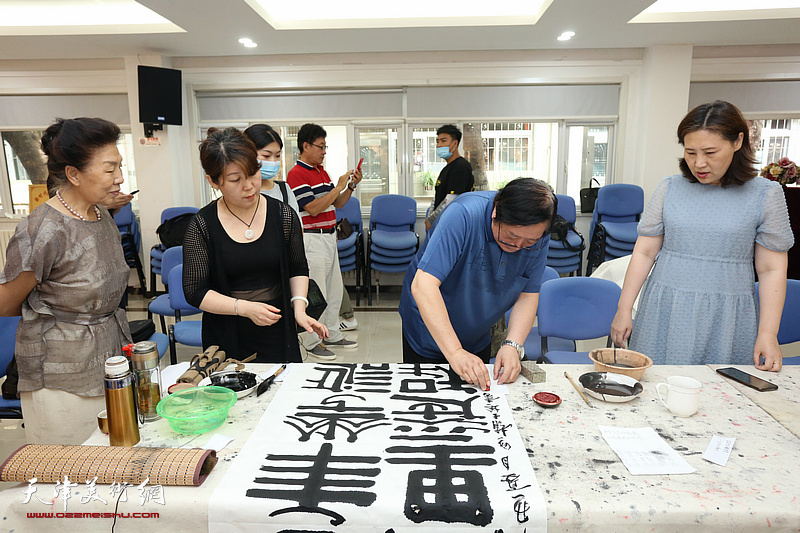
[80, 17]
[717, 11]
[324, 14]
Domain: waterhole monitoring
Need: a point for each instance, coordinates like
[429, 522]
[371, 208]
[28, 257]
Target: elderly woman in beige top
[65, 275]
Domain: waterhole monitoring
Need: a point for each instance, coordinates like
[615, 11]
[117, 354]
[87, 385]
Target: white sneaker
[321, 352]
[348, 325]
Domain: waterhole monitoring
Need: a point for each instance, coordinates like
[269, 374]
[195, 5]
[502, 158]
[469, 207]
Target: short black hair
[263, 135]
[308, 134]
[525, 202]
[451, 130]
[724, 119]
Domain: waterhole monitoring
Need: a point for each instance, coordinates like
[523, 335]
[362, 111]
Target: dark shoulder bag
[316, 302]
[282, 186]
[589, 197]
[172, 230]
[343, 229]
[559, 228]
[9, 387]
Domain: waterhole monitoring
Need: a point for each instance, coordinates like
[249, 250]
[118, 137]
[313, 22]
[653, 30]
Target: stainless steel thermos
[123, 427]
[144, 361]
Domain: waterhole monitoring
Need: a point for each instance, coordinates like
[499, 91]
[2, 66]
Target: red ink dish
[546, 399]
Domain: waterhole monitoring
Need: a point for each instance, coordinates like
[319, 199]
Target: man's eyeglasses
[534, 245]
[323, 147]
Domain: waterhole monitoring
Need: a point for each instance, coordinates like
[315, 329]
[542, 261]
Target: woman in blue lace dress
[702, 233]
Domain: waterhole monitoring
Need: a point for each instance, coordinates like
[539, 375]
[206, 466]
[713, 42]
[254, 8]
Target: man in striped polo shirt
[317, 197]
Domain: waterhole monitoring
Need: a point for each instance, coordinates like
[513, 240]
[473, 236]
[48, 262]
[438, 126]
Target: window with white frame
[401, 158]
[774, 139]
[518, 149]
[587, 158]
[25, 166]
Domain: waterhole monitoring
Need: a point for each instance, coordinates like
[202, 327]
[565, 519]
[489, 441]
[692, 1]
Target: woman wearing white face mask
[269, 146]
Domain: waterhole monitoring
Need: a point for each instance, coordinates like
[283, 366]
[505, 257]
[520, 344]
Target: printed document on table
[643, 451]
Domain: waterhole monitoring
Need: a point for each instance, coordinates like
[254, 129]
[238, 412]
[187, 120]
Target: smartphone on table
[761, 385]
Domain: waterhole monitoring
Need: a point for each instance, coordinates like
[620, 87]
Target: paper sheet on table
[643, 451]
[217, 442]
[719, 450]
[494, 387]
[274, 368]
[170, 375]
[498, 389]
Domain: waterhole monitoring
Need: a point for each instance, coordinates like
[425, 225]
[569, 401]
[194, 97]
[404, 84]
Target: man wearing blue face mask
[455, 178]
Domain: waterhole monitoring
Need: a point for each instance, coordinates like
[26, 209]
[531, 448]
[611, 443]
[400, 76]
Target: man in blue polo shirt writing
[484, 254]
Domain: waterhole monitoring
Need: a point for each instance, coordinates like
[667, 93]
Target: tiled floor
[378, 332]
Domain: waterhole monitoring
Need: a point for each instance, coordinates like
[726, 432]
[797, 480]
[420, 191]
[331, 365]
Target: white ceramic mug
[683, 395]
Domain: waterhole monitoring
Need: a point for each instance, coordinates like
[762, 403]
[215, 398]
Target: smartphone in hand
[358, 167]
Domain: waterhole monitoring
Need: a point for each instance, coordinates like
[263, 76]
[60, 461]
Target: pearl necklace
[96, 210]
[249, 233]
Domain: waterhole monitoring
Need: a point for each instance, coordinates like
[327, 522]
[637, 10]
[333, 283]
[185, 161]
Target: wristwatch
[520, 348]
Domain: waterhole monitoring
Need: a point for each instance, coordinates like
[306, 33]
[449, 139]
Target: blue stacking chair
[559, 257]
[162, 343]
[577, 308]
[533, 343]
[614, 220]
[160, 305]
[131, 242]
[392, 242]
[351, 249]
[8, 341]
[789, 330]
[157, 251]
[187, 332]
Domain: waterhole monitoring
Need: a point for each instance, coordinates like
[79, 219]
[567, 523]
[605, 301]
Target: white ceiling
[214, 27]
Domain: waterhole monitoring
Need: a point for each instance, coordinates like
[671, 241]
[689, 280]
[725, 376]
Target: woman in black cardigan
[243, 259]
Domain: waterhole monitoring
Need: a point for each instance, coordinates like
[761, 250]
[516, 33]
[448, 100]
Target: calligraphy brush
[264, 385]
[577, 389]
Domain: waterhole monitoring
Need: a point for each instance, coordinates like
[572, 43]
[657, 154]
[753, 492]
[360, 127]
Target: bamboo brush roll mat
[49, 463]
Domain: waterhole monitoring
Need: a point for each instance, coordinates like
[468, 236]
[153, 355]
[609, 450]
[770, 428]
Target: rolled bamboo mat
[49, 463]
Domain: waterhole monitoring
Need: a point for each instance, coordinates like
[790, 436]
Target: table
[783, 404]
[586, 486]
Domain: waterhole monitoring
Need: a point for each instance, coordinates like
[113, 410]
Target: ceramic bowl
[197, 410]
[240, 382]
[610, 387]
[620, 361]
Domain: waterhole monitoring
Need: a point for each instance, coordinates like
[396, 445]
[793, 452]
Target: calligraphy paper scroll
[379, 447]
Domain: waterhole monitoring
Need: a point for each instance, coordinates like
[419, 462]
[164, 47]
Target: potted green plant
[428, 181]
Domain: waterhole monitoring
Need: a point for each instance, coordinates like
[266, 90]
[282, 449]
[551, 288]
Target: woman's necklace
[96, 210]
[249, 233]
